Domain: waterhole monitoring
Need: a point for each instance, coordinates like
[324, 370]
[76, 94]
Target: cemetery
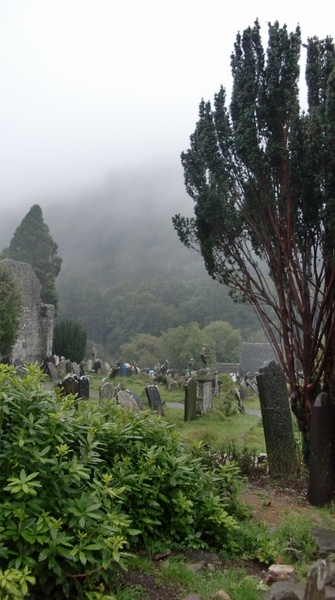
[200, 404]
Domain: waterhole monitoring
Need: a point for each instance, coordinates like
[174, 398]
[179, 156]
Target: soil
[267, 503]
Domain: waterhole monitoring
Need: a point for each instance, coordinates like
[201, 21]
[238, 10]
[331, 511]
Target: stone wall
[34, 342]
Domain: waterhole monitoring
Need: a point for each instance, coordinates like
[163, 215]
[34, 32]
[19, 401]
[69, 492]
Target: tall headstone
[84, 387]
[190, 408]
[322, 451]
[154, 399]
[277, 420]
[204, 393]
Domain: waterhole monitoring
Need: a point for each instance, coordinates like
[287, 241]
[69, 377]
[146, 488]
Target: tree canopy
[262, 175]
[69, 340]
[10, 308]
[33, 244]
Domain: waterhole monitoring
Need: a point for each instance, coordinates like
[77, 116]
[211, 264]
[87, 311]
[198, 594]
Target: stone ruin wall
[35, 336]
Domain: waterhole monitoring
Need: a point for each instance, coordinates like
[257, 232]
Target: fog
[91, 88]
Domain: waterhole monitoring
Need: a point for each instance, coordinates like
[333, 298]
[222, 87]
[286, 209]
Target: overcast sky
[89, 86]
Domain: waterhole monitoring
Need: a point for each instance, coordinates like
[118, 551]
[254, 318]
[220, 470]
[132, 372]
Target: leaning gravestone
[137, 399]
[277, 420]
[154, 399]
[52, 371]
[322, 451]
[190, 408]
[125, 400]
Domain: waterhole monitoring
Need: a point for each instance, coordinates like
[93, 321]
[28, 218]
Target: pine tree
[262, 176]
[33, 244]
[70, 340]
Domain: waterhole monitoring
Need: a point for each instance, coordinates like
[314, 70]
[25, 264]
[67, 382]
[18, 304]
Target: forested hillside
[124, 270]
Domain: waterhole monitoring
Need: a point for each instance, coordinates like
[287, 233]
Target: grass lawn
[221, 429]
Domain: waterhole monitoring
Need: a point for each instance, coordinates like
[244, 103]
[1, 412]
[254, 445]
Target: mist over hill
[124, 269]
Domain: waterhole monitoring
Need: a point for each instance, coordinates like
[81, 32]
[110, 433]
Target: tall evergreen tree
[10, 307]
[69, 340]
[262, 175]
[33, 244]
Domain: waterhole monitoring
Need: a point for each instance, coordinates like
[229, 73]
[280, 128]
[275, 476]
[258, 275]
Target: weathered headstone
[154, 399]
[190, 408]
[106, 391]
[81, 369]
[240, 405]
[62, 367]
[204, 393]
[125, 400]
[68, 366]
[89, 365]
[137, 399]
[75, 369]
[322, 451]
[316, 581]
[84, 387]
[277, 420]
[69, 385]
[52, 371]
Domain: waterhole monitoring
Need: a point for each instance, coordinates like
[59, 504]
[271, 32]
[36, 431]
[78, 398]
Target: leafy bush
[75, 484]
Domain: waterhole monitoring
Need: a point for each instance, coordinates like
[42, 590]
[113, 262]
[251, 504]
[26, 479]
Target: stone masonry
[35, 337]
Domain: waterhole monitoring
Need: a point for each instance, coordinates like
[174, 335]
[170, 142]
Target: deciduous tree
[262, 175]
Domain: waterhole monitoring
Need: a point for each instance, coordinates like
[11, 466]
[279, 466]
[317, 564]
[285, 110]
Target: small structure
[253, 356]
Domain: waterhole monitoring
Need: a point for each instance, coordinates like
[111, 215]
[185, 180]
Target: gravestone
[204, 393]
[322, 451]
[52, 371]
[62, 367]
[89, 365]
[240, 405]
[137, 399]
[243, 390]
[68, 366]
[277, 420]
[84, 387]
[97, 366]
[81, 369]
[125, 400]
[106, 391]
[154, 399]
[115, 371]
[190, 408]
[69, 385]
[169, 381]
[75, 369]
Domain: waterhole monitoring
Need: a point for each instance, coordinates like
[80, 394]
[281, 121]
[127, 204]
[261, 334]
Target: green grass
[220, 428]
[175, 573]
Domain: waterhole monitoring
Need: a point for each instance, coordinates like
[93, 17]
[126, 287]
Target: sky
[93, 86]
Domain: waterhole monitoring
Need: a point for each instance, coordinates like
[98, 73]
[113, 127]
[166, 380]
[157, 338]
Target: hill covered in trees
[124, 271]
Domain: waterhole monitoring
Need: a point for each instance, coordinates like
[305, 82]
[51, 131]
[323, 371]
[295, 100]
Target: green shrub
[79, 486]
